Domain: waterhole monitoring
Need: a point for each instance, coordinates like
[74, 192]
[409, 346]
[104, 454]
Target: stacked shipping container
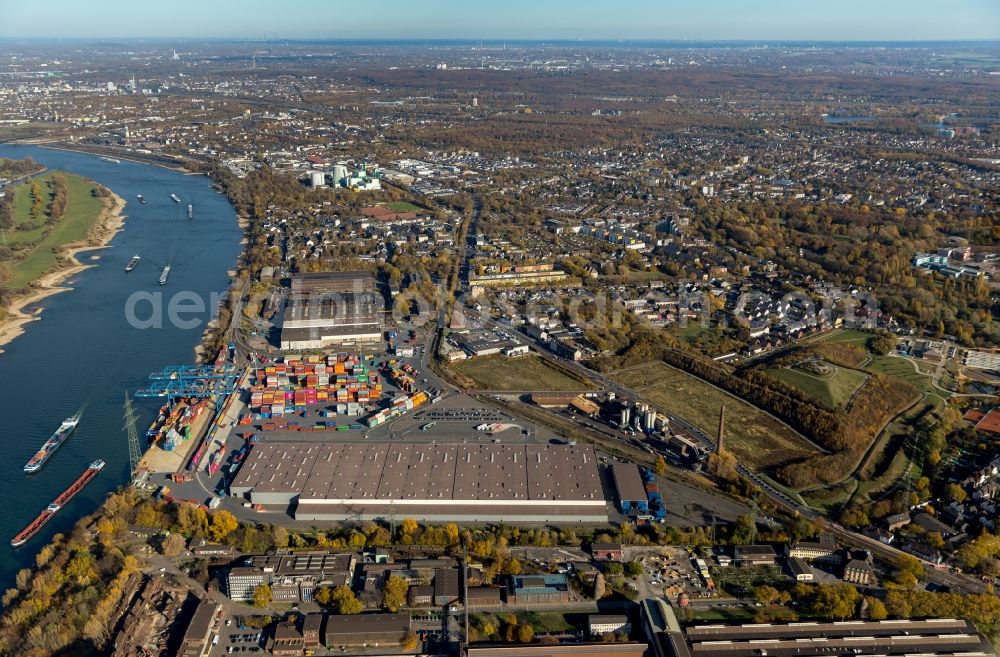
[400, 405]
[284, 388]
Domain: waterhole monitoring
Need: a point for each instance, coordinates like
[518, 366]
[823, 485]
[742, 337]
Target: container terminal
[340, 417]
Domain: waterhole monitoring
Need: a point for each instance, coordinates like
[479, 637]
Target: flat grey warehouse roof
[422, 478]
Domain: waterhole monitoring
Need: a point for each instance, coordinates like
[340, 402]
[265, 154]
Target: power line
[133, 436]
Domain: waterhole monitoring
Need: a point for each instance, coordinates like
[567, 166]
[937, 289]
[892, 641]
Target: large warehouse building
[432, 483]
[331, 308]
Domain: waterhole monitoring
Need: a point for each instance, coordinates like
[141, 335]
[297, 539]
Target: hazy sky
[507, 19]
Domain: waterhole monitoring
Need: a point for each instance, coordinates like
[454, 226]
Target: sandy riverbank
[107, 225]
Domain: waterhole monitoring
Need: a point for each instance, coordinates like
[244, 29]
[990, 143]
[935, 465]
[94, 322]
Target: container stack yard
[402, 375]
[399, 406]
[286, 388]
[347, 385]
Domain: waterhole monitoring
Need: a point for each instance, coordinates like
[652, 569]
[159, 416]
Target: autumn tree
[408, 527]
[876, 608]
[955, 492]
[343, 601]
[908, 571]
[600, 587]
[280, 537]
[723, 465]
[261, 595]
[192, 520]
[766, 594]
[147, 515]
[394, 593]
[834, 601]
[172, 545]
[883, 343]
[223, 524]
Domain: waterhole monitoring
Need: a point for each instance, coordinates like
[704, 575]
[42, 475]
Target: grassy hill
[35, 240]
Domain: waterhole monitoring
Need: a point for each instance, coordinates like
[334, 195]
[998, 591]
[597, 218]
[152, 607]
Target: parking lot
[429, 626]
[236, 641]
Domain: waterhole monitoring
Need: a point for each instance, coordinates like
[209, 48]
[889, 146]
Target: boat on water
[190, 211]
[112, 160]
[175, 198]
[164, 274]
[35, 525]
[132, 263]
[52, 444]
[141, 198]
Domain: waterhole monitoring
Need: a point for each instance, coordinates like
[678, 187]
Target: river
[84, 352]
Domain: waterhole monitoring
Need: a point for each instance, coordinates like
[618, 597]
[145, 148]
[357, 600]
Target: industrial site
[561, 343]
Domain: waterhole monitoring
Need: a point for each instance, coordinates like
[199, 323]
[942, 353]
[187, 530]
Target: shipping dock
[177, 433]
[52, 444]
[36, 525]
[183, 440]
[164, 274]
[154, 428]
[132, 263]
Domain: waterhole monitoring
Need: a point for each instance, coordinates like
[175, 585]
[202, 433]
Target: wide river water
[85, 352]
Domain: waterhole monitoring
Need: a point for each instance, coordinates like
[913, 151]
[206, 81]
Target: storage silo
[339, 174]
[640, 413]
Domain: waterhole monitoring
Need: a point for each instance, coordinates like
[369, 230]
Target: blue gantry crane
[191, 381]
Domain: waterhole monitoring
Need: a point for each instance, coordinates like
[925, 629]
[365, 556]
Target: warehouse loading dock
[629, 487]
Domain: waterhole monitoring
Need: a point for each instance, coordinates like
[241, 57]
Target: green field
[541, 621]
[33, 261]
[524, 373]
[832, 391]
[644, 276]
[732, 614]
[860, 338]
[903, 368]
[754, 437]
[403, 206]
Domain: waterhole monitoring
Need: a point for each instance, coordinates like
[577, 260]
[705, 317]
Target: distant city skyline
[845, 20]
